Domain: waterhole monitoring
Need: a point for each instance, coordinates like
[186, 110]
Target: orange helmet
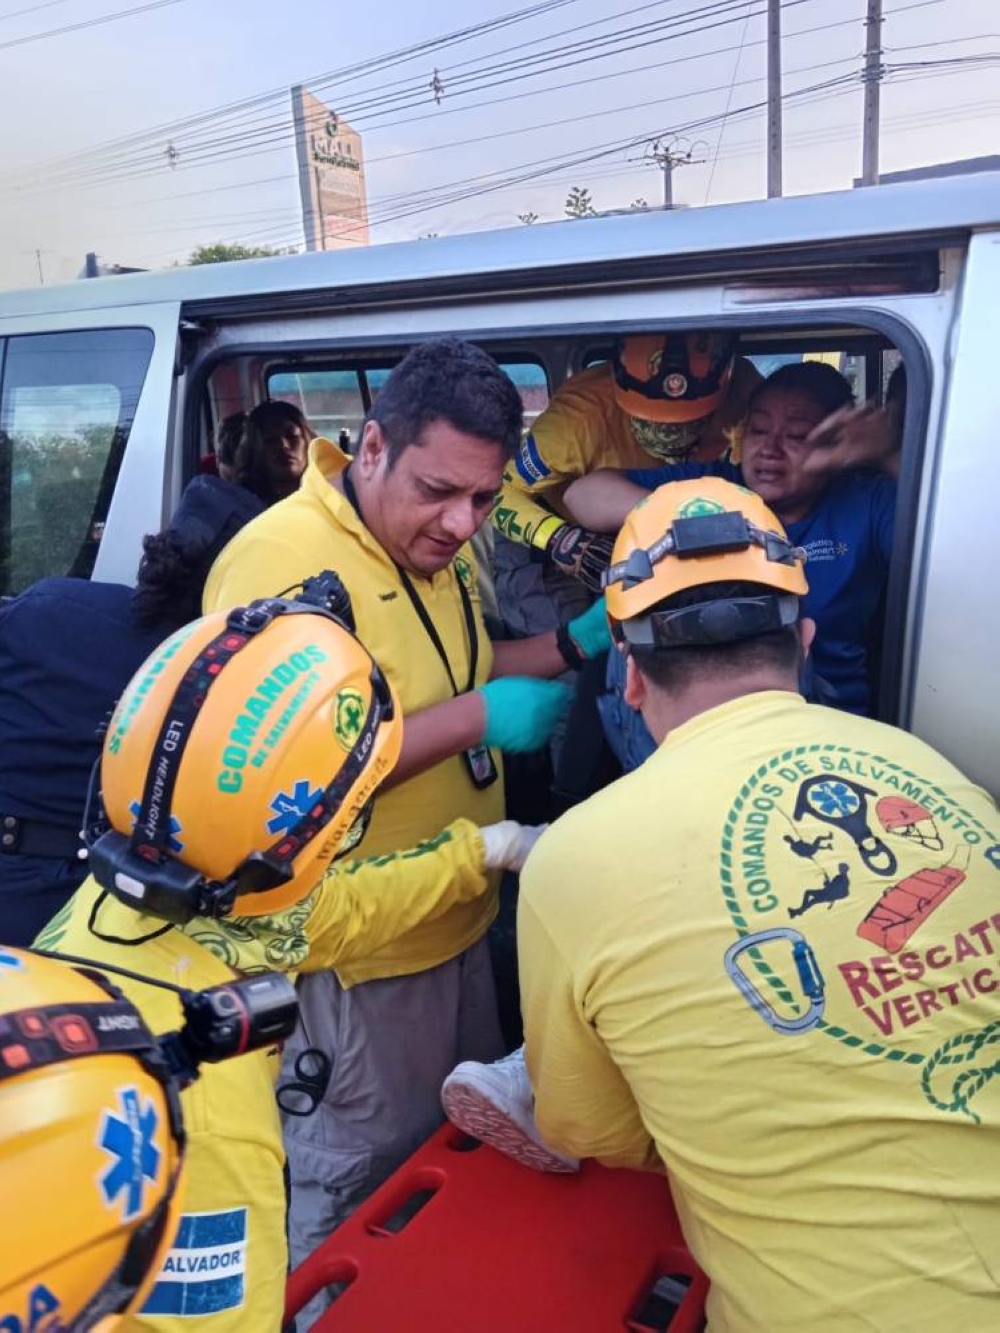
[242, 757]
[673, 377]
[690, 533]
[90, 1148]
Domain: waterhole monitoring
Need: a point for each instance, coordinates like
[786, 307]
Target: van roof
[921, 208]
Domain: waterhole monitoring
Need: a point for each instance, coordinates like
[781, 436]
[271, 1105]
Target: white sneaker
[494, 1103]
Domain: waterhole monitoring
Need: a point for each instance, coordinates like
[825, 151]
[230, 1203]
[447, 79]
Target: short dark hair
[677, 668]
[229, 438]
[826, 386]
[453, 381]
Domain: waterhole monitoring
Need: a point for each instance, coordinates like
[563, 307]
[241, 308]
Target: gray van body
[918, 264]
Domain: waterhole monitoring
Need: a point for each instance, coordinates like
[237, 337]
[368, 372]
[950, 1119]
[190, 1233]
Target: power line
[729, 102]
[31, 9]
[262, 137]
[279, 132]
[347, 73]
[84, 23]
[520, 96]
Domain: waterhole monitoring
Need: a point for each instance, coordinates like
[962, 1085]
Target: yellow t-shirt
[825, 1098]
[584, 429]
[316, 529]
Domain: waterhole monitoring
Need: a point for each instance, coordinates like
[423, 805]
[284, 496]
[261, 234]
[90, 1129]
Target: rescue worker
[663, 398]
[395, 523]
[827, 469]
[92, 1135]
[68, 647]
[244, 757]
[823, 1092]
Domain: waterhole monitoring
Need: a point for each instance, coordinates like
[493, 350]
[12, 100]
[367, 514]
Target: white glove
[506, 845]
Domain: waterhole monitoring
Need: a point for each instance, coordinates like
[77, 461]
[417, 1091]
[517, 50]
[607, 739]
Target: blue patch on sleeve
[205, 1270]
[530, 465]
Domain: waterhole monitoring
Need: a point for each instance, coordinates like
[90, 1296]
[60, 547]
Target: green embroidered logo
[698, 507]
[348, 717]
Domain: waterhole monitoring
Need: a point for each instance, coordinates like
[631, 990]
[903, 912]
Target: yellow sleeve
[360, 906]
[559, 448]
[522, 519]
[583, 1106]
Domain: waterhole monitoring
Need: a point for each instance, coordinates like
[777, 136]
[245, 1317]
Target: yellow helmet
[90, 1149]
[690, 533]
[242, 757]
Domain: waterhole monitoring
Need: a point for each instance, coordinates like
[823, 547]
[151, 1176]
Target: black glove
[582, 553]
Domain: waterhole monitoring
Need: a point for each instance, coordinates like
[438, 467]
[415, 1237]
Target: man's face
[438, 495]
[774, 448]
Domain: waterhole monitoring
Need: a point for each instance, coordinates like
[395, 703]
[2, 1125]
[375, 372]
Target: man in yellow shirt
[395, 524]
[768, 960]
[241, 760]
[662, 398]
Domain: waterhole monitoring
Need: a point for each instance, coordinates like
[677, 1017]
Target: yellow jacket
[228, 1263]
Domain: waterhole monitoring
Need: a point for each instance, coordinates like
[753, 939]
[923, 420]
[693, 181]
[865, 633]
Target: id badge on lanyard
[478, 759]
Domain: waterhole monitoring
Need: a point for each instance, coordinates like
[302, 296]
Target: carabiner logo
[810, 979]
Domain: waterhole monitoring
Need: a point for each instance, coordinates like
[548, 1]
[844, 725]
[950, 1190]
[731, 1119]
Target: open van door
[86, 402]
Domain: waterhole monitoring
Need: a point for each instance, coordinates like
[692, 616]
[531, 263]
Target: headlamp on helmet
[695, 533]
[89, 1107]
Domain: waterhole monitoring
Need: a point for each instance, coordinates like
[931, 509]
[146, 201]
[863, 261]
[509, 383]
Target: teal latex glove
[590, 631]
[522, 712]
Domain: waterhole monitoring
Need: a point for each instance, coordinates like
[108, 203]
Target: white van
[111, 390]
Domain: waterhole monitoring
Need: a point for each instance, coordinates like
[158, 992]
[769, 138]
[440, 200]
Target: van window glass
[850, 366]
[331, 400]
[66, 409]
[532, 385]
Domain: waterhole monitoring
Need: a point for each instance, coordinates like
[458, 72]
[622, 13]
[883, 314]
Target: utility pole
[773, 99]
[872, 78]
[669, 154]
[41, 275]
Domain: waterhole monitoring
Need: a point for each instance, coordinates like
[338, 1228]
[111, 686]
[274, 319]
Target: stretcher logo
[205, 1270]
[865, 902]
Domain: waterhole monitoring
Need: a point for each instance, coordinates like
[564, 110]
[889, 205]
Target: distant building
[331, 176]
[965, 166]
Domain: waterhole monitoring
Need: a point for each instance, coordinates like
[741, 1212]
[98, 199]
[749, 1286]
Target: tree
[638, 205]
[579, 203]
[527, 218]
[223, 253]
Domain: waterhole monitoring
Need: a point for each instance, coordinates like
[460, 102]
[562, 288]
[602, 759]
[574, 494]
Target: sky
[582, 94]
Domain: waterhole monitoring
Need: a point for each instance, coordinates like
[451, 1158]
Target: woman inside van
[827, 470]
[271, 455]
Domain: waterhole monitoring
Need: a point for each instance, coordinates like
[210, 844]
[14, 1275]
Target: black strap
[32, 1038]
[37, 837]
[429, 628]
[152, 826]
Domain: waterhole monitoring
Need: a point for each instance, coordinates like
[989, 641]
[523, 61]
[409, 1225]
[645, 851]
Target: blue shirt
[848, 543]
[68, 648]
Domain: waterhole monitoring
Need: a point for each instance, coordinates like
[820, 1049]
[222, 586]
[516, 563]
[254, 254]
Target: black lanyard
[429, 628]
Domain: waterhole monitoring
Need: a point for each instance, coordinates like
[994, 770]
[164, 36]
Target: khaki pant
[392, 1042]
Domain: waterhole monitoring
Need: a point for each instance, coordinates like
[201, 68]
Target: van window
[333, 400]
[67, 401]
